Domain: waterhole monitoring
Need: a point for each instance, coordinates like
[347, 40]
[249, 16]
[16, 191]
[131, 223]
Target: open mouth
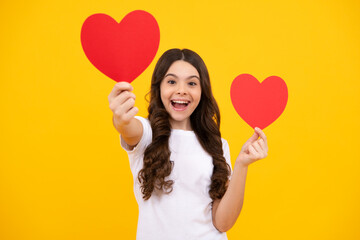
[179, 104]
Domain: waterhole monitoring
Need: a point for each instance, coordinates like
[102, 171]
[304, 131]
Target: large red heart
[259, 104]
[122, 51]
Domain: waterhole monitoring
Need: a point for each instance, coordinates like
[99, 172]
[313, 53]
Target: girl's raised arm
[121, 103]
[227, 209]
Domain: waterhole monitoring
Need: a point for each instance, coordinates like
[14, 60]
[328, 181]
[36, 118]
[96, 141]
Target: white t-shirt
[185, 213]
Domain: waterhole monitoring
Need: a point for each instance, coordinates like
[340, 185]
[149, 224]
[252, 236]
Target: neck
[185, 125]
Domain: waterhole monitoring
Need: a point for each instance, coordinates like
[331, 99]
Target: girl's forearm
[130, 132]
[231, 203]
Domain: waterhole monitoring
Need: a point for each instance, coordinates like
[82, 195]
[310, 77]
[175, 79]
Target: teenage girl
[183, 181]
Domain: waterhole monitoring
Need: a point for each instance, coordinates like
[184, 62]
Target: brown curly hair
[205, 122]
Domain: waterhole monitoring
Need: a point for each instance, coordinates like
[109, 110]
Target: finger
[118, 88]
[128, 105]
[256, 154]
[261, 134]
[122, 110]
[249, 141]
[253, 152]
[253, 138]
[132, 112]
[263, 144]
[129, 115]
[121, 99]
[123, 86]
[124, 96]
[261, 152]
[257, 146]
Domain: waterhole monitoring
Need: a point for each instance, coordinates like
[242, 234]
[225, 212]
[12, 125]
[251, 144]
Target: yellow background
[63, 174]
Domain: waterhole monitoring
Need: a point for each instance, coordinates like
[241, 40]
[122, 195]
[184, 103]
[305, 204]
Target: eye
[192, 83]
[171, 82]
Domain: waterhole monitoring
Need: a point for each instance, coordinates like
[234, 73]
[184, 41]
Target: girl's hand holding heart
[121, 103]
[254, 149]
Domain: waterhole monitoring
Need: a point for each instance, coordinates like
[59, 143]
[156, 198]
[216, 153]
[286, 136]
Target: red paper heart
[122, 51]
[259, 104]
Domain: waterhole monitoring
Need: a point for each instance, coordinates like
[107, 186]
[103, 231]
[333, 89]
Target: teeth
[180, 102]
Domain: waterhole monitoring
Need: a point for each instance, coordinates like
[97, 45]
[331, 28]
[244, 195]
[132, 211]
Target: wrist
[240, 164]
[119, 123]
[242, 160]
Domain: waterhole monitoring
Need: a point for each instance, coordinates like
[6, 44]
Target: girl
[180, 164]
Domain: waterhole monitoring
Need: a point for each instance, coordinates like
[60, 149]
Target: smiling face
[180, 92]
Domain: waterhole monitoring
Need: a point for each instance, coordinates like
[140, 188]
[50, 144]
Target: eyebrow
[171, 74]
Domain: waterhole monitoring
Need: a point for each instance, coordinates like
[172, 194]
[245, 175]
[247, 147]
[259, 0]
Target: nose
[182, 89]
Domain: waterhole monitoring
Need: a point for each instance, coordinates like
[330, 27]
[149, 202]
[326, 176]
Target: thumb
[252, 139]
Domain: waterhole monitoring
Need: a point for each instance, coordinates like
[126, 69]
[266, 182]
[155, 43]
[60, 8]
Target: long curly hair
[205, 122]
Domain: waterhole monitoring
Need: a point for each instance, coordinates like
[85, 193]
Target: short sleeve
[226, 150]
[145, 138]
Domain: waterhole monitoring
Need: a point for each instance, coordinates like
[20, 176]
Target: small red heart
[258, 104]
[122, 51]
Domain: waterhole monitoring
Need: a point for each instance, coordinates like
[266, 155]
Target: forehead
[182, 69]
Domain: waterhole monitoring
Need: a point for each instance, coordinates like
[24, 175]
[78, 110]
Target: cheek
[162, 98]
[164, 95]
[197, 95]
